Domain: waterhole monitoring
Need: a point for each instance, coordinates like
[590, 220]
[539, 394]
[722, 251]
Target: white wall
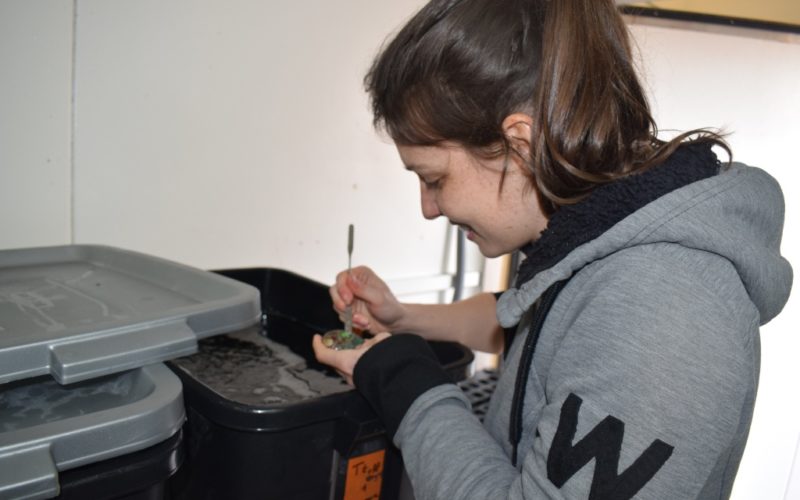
[35, 87]
[218, 134]
[224, 134]
[750, 87]
[228, 134]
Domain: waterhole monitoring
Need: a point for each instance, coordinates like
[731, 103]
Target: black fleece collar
[573, 225]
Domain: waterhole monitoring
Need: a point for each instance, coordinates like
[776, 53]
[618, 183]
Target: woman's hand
[375, 308]
[344, 361]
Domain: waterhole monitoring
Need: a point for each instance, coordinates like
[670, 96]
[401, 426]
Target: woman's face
[457, 185]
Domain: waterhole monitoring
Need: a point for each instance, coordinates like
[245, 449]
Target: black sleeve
[394, 373]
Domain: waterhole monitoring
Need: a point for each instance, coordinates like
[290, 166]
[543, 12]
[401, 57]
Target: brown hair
[458, 68]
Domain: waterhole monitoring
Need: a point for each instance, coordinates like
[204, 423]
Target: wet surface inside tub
[250, 368]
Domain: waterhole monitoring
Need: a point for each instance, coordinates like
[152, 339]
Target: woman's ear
[517, 128]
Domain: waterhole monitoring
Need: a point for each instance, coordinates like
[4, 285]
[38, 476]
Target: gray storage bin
[83, 329]
[46, 427]
[82, 311]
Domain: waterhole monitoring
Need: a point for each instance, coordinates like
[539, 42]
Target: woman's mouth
[468, 231]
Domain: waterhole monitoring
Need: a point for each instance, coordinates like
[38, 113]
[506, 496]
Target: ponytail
[592, 122]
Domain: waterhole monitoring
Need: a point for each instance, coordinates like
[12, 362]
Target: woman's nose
[430, 209]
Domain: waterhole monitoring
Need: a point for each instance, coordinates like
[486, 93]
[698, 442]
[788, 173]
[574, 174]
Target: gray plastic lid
[82, 311]
[46, 428]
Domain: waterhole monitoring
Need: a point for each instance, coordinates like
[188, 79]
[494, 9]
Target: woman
[630, 340]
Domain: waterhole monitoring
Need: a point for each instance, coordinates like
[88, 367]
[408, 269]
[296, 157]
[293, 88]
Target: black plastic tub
[265, 420]
[142, 475]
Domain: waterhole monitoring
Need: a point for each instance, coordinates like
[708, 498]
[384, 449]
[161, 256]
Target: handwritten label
[364, 475]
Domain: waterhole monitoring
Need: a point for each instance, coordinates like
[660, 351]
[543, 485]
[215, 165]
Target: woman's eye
[431, 183]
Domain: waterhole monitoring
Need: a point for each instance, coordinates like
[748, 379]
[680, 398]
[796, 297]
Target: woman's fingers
[361, 321]
[343, 361]
[336, 299]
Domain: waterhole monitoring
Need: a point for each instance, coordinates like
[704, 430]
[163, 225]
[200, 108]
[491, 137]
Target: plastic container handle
[105, 353]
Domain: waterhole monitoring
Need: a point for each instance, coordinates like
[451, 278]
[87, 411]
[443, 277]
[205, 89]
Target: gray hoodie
[644, 374]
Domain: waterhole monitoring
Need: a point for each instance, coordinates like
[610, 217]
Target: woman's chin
[489, 251]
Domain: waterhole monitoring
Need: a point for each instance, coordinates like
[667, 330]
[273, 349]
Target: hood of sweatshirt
[736, 213]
